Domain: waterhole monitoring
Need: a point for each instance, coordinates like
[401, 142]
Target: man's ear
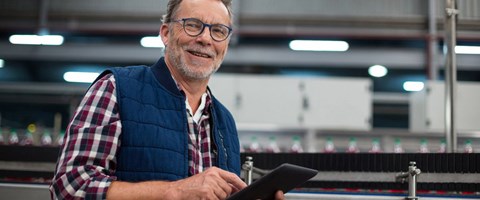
[164, 31]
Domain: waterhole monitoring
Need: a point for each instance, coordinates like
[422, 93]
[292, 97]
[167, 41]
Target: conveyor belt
[443, 172]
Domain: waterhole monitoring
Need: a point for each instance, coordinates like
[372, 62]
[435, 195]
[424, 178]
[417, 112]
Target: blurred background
[402, 39]
[376, 86]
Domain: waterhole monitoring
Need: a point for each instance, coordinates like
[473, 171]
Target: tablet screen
[285, 177]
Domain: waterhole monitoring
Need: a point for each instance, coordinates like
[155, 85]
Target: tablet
[285, 177]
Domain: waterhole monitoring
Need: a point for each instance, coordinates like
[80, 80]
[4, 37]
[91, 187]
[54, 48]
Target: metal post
[411, 176]
[450, 75]
[236, 22]
[432, 53]
[247, 168]
[413, 171]
[43, 18]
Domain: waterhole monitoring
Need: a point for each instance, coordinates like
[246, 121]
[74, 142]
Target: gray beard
[180, 64]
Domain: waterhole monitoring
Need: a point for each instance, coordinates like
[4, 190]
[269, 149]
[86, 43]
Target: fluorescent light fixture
[80, 77]
[377, 71]
[152, 42]
[467, 49]
[318, 45]
[413, 86]
[36, 39]
[2, 62]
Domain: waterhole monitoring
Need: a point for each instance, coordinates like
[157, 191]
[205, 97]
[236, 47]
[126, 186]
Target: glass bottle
[468, 148]
[352, 146]
[424, 146]
[329, 146]
[27, 139]
[60, 138]
[13, 138]
[443, 146]
[375, 146]
[297, 145]
[397, 146]
[272, 146]
[46, 139]
[254, 145]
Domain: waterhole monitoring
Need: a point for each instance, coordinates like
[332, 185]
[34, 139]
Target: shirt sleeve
[87, 157]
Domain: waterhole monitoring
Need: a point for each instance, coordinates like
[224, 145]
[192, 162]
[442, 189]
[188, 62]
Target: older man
[158, 132]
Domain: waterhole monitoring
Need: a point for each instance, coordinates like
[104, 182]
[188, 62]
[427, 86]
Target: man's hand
[214, 183]
[279, 195]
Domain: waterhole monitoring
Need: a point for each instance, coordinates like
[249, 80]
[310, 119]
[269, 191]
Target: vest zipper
[221, 138]
[224, 149]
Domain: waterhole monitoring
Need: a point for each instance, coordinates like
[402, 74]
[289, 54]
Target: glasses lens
[193, 26]
[219, 32]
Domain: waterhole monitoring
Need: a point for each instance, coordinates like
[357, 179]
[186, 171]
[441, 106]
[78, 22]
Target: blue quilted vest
[154, 138]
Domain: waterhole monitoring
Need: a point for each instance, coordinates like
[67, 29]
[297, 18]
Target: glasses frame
[183, 20]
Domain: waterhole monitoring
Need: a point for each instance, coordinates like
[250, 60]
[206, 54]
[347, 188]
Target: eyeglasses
[194, 27]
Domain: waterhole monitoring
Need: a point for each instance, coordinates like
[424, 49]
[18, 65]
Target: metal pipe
[412, 187]
[412, 173]
[432, 66]
[450, 75]
[236, 23]
[247, 168]
[43, 17]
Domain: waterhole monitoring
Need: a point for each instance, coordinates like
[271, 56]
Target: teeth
[201, 55]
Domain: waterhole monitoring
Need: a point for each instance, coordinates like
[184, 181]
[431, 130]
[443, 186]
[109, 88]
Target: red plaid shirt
[85, 171]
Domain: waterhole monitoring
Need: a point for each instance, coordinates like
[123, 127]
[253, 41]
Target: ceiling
[98, 34]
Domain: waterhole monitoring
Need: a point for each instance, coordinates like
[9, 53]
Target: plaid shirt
[85, 171]
[199, 146]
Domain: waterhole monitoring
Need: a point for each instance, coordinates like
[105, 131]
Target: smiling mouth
[199, 54]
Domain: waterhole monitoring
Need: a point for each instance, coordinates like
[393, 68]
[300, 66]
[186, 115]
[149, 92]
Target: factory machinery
[376, 175]
[26, 171]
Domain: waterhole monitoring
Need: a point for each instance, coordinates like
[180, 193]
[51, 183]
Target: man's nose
[205, 37]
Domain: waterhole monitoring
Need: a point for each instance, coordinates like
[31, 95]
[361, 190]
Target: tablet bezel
[285, 177]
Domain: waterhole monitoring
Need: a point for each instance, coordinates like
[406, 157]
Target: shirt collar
[203, 108]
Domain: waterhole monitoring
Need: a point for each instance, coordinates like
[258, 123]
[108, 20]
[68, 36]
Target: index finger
[233, 180]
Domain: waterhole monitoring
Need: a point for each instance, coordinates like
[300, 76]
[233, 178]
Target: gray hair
[173, 5]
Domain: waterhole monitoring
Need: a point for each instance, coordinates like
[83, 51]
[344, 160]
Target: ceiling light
[2, 62]
[413, 86]
[80, 77]
[467, 49]
[377, 71]
[152, 42]
[318, 45]
[36, 39]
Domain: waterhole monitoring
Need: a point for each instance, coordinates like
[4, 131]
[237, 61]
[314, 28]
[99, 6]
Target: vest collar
[164, 77]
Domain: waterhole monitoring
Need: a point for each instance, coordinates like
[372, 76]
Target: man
[157, 132]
